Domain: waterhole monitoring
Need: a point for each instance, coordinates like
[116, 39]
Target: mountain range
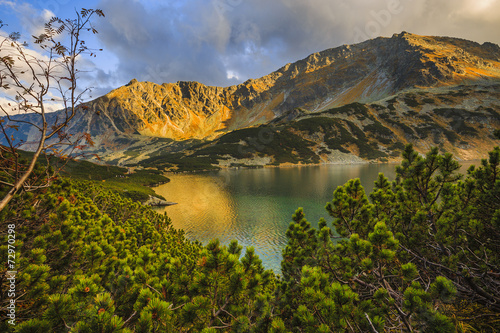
[352, 103]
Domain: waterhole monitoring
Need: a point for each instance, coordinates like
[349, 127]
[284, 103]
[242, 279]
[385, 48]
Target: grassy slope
[136, 185]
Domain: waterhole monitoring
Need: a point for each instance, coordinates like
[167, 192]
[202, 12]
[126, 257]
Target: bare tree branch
[32, 94]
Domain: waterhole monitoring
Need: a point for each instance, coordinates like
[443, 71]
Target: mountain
[400, 82]
[459, 119]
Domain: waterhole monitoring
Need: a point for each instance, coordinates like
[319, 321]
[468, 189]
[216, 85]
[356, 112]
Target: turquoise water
[255, 206]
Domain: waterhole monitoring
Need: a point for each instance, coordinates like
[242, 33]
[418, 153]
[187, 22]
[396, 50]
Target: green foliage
[356, 283]
[84, 170]
[458, 118]
[182, 162]
[358, 109]
[420, 253]
[135, 186]
[338, 134]
[406, 129]
[417, 256]
[378, 129]
[90, 260]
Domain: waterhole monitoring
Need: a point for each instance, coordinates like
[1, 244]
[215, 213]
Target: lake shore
[283, 165]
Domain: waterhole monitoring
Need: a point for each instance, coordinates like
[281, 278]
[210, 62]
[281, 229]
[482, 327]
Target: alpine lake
[255, 206]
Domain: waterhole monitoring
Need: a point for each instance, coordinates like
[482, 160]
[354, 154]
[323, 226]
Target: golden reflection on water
[202, 197]
[209, 207]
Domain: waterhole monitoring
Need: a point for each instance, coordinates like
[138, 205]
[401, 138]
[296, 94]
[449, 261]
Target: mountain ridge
[461, 120]
[330, 78]
[155, 117]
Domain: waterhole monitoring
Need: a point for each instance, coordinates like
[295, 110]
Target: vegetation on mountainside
[418, 254]
[293, 142]
[372, 132]
[135, 184]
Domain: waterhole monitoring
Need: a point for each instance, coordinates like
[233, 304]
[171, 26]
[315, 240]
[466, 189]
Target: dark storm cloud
[164, 44]
[222, 42]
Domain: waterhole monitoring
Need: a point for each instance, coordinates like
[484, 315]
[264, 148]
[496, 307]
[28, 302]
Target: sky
[226, 42]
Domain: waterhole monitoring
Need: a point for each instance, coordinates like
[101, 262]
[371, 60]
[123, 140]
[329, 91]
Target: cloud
[165, 44]
[8, 106]
[29, 69]
[32, 20]
[224, 42]
[218, 41]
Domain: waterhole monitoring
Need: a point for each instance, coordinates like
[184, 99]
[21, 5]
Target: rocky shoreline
[157, 202]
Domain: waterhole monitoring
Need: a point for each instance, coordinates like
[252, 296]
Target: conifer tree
[423, 250]
[419, 254]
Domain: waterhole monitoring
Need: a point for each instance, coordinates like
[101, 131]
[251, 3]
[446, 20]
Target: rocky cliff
[460, 120]
[364, 72]
[152, 116]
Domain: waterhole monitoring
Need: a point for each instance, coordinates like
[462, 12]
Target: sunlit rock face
[149, 116]
[364, 72]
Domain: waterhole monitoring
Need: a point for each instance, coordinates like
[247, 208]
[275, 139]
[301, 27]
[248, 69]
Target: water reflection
[204, 205]
[255, 206]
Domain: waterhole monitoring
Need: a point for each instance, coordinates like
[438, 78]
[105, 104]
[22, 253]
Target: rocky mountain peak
[363, 72]
[132, 82]
[366, 72]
